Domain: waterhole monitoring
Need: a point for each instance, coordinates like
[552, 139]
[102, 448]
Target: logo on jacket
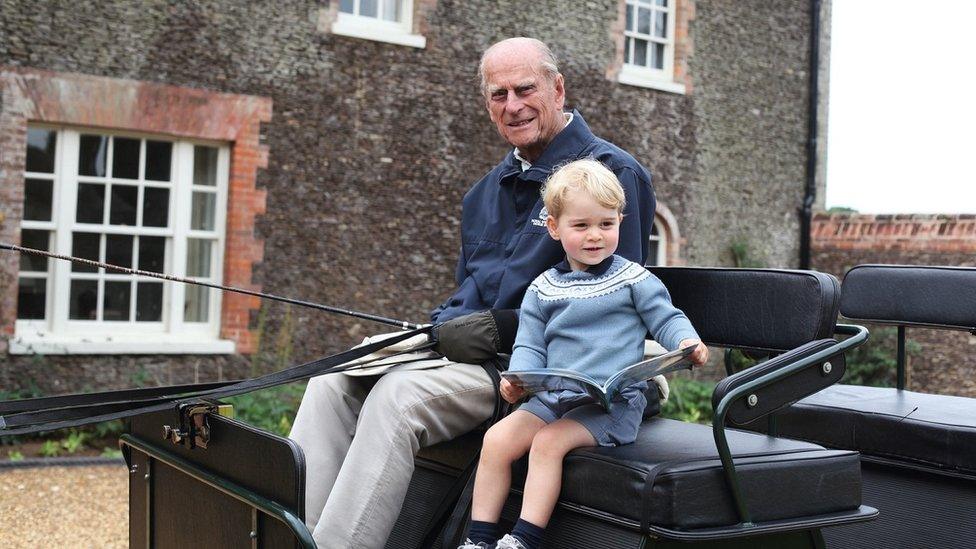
[541, 221]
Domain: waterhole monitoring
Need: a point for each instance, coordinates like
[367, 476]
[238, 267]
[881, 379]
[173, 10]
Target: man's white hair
[547, 61]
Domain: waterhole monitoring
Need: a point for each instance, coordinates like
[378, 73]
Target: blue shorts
[614, 428]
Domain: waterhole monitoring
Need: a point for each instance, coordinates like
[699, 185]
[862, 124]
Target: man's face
[523, 102]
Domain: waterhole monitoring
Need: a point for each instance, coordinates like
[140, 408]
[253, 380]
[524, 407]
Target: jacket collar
[599, 269]
[568, 144]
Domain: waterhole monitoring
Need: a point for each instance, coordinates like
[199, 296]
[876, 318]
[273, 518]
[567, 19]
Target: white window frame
[648, 77]
[662, 242]
[377, 29]
[56, 333]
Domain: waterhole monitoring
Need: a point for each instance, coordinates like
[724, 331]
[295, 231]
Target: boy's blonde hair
[589, 176]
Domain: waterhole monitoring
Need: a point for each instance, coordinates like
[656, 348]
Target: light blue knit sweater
[595, 323]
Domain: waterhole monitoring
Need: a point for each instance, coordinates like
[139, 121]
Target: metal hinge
[194, 428]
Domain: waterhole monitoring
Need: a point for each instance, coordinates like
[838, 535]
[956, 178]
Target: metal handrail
[859, 335]
[271, 508]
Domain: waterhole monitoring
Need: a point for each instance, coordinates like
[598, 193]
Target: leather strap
[52, 412]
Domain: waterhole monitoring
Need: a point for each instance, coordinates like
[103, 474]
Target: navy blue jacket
[504, 242]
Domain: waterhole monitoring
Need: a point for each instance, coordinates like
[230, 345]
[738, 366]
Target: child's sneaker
[468, 544]
[509, 542]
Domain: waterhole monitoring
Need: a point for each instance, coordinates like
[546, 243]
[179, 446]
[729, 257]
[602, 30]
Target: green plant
[110, 452]
[690, 400]
[742, 255]
[140, 377]
[15, 455]
[270, 409]
[108, 429]
[874, 363]
[50, 448]
[74, 441]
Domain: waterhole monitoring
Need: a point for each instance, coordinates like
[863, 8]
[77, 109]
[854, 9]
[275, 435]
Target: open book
[554, 379]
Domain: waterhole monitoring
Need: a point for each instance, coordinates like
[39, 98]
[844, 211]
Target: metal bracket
[194, 429]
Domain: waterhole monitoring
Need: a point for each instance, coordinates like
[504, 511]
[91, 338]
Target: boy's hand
[700, 355]
[510, 391]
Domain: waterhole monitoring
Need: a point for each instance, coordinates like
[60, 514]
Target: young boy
[590, 313]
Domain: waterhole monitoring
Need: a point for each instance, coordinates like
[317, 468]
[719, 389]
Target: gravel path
[79, 506]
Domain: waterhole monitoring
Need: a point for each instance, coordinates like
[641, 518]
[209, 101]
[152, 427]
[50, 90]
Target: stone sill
[642, 79]
[162, 344]
[377, 31]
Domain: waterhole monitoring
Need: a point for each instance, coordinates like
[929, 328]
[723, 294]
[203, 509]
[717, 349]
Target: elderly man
[360, 434]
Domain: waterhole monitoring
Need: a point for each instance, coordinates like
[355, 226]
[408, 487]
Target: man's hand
[478, 337]
[700, 355]
[510, 391]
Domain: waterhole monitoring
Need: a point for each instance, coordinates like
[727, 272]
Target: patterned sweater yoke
[595, 323]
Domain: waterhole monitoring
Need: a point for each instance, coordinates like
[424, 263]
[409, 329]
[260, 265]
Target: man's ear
[560, 92]
[551, 226]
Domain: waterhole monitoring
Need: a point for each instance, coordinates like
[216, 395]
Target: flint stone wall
[372, 145]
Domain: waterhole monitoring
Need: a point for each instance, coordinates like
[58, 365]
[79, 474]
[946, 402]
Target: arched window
[664, 239]
[657, 251]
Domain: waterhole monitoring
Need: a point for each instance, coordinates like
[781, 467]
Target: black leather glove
[477, 337]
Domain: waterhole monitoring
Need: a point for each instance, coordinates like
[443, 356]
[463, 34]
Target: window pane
[149, 301]
[391, 10]
[85, 246]
[152, 253]
[31, 298]
[37, 199]
[91, 203]
[629, 50]
[643, 20]
[630, 17]
[367, 8]
[202, 211]
[197, 304]
[158, 160]
[640, 52]
[118, 250]
[155, 207]
[83, 300]
[40, 150]
[657, 56]
[345, 6]
[39, 240]
[125, 158]
[662, 3]
[661, 24]
[198, 257]
[124, 198]
[117, 295]
[92, 150]
[204, 166]
[652, 252]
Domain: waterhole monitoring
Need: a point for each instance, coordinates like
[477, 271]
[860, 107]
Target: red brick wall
[946, 363]
[30, 95]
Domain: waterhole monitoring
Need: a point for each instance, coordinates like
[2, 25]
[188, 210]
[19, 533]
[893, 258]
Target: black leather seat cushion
[688, 488]
[931, 430]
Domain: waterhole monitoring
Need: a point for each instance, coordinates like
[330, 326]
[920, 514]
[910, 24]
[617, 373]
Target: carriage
[791, 459]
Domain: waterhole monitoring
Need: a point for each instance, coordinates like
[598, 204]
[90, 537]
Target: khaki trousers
[360, 435]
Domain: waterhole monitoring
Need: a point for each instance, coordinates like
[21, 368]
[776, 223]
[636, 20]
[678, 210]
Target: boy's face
[587, 230]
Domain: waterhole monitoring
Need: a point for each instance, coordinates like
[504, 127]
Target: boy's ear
[551, 226]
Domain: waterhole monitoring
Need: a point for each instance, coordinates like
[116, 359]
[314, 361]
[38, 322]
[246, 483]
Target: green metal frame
[858, 334]
[255, 501]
